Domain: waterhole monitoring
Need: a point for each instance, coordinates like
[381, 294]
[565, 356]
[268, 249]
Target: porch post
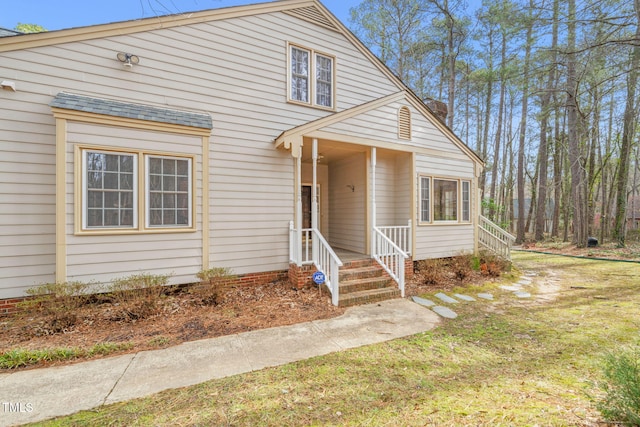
[373, 200]
[298, 183]
[314, 191]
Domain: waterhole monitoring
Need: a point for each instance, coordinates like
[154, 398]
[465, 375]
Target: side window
[425, 200]
[466, 201]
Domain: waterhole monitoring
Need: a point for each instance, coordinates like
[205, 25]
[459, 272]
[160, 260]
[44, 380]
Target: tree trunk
[628, 133]
[578, 189]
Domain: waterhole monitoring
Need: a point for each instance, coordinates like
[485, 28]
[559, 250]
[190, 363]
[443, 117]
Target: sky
[61, 14]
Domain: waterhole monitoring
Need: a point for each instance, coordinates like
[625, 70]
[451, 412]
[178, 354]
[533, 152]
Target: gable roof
[315, 127]
[310, 10]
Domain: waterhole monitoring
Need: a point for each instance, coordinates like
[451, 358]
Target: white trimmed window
[466, 201]
[444, 200]
[425, 200]
[168, 191]
[300, 74]
[311, 77]
[111, 190]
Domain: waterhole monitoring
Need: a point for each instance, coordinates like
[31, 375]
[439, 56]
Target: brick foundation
[301, 277]
[408, 268]
[10, 306]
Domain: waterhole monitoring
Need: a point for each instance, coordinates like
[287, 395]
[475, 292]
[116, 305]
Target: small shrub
[431, 270]
[137, 296]
[621, 403]
[210, 290]
[57, 297]
[461, 266]
[492, 265]
[56, 305]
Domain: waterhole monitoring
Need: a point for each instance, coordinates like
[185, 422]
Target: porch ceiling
[330, 151]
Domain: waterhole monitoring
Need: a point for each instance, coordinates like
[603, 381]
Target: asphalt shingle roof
[5, 32]
[109, 107]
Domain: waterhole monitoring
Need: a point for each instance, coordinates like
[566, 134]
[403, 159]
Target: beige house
[262, 138]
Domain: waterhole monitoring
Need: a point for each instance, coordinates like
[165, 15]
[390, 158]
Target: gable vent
[404, 123]
[313, 15]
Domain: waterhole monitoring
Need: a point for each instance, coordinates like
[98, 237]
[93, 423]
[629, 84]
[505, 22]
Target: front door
[306, 206]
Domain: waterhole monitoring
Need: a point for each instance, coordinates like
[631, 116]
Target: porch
[342, 190]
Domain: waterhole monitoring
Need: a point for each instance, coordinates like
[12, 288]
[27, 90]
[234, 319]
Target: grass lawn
[510, 362]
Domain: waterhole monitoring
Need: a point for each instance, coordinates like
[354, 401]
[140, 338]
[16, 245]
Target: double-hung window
[168, 191]
[311, 77]
[444, 200]
[111, 191]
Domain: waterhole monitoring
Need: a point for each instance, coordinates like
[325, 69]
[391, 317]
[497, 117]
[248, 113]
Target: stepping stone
[464, 297]
[523, 294]
[486, 296]
[423, 301]
[446, 298]
[510, 288]
[524, 281]
[444, 312]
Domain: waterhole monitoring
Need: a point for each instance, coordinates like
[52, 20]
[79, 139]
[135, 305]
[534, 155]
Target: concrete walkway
[39, 394]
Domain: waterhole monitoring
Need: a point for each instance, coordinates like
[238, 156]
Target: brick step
[369, 296]
[361, 272]
[367, 283]
[365, 262]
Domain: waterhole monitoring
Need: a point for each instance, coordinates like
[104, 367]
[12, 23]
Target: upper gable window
[311, 77]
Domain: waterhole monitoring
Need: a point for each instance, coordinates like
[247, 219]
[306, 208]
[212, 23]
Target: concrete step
[367, 283]
[368, 296]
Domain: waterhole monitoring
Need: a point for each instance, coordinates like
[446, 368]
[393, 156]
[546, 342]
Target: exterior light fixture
[128, 60]
[8, 85]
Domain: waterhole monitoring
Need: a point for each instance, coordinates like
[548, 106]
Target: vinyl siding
[103, 258]
[443, 240]
[347, 213]
[233, 69]
[393, 196]
[27, 193]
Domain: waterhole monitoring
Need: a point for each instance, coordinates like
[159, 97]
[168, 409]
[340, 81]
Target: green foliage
[210, 290]
[19, 358]
[30, 28]
[621, 403]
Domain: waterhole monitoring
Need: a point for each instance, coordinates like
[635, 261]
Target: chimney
[438, 107]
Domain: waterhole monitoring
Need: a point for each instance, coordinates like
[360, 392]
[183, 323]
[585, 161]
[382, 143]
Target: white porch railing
[400, 235]
[390, 256]
[494, 238]
[316, 251]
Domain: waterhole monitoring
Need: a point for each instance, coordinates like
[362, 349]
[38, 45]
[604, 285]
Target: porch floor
[347, 256]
